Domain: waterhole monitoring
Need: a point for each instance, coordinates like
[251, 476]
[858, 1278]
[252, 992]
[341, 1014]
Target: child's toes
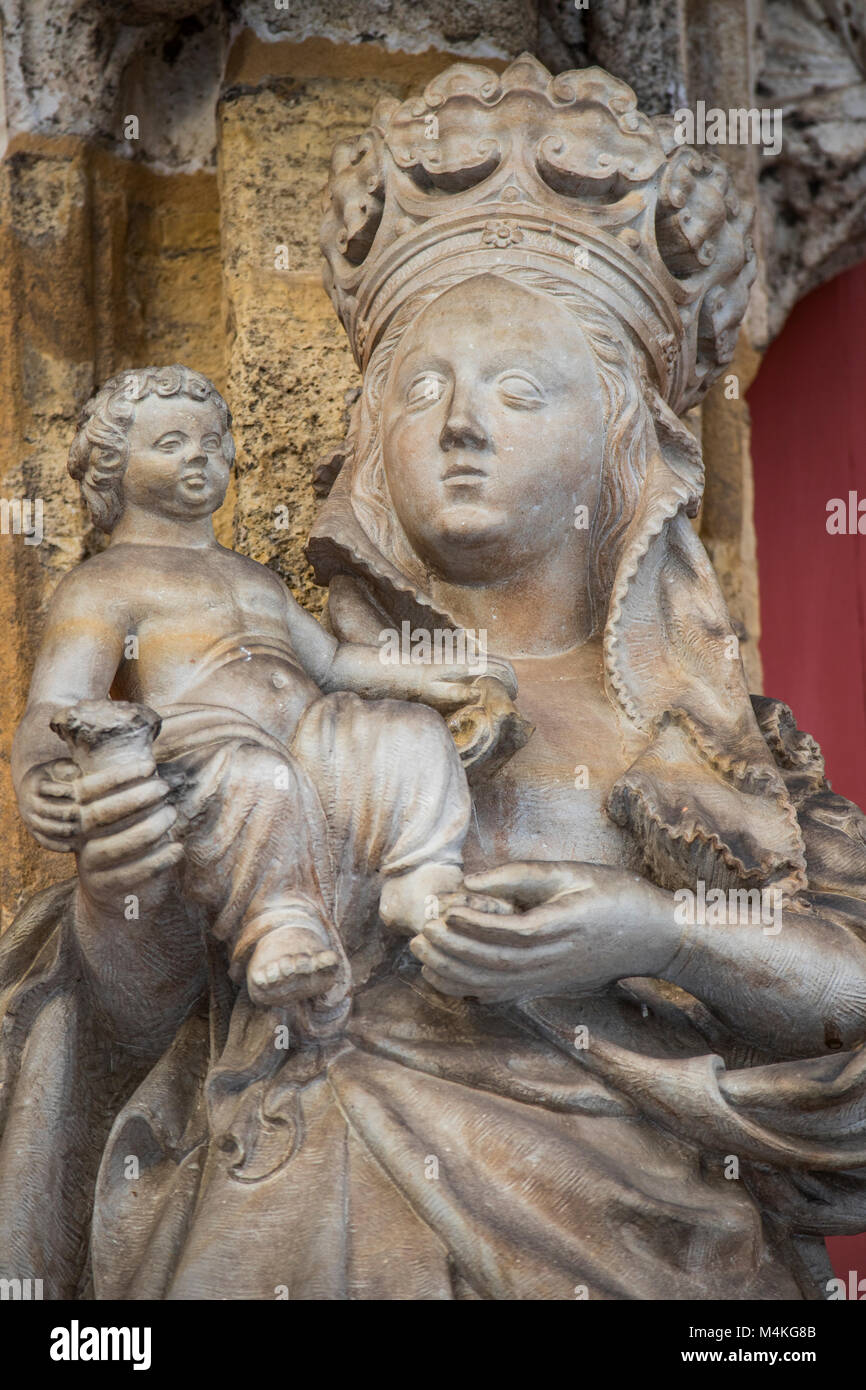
[308, 964]
[293, 975]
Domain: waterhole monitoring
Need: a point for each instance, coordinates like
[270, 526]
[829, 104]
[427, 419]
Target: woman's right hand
[46, 801]
[124, 829]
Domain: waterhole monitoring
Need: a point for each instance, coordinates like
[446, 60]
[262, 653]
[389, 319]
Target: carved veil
[564, 184]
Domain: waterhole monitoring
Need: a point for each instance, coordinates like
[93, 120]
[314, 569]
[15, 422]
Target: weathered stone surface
[173, 87]
[222, 1005]
[727, 526]
[813, 196]
[289, 368]
[65, 64]
[472, 28]
[48, 349]
[103, 263]
[287, 364]
[643, 45]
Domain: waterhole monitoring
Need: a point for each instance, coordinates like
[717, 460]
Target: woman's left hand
[535, 928]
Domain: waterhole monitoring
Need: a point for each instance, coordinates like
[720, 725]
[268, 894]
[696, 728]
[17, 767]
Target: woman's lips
[463, 473]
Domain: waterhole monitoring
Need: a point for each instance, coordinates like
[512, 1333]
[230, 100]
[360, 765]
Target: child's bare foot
[291, 962]
[410, 899]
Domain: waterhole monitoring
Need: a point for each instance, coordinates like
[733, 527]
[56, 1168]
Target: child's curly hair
[100, 449]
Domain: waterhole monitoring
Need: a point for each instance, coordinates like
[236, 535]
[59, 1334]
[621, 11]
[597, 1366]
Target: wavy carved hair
[628, 402]
[100, 449]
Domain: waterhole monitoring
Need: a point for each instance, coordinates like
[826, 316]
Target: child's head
[184, 413]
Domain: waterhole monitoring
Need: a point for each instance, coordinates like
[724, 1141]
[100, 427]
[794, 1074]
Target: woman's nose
[463, 428]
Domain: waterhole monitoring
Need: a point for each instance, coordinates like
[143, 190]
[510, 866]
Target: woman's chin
[465, 525]
[467, 545]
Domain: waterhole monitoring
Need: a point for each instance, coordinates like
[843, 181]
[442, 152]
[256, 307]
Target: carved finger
[444, 985]
[479, 902]
[499, 929]
[484, 955]
[109, 810]
[58, 791]
[56, 811]
[63, 770]
[542, 925]
[54, 829]
[455, 671]
[452, 945]
[528, 883]
[469, 978]
[450, 693]
[49, 842]
[96, 784]
[119, 879]
[502, 671]
[108, 850]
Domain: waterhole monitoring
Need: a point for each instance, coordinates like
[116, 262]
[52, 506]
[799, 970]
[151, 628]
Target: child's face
[177, 466]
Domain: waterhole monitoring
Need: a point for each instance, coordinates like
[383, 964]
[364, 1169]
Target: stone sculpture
[622, 1057]
[233, 686]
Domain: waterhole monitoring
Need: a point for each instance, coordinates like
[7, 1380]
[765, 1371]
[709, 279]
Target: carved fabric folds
[62, 1078]
[665, 667]
[308, 1173]
[764, 815]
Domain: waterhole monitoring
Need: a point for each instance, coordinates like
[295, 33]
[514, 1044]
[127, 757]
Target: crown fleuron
[560, 174]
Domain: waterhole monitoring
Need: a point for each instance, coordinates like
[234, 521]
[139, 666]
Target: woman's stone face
[492, 430]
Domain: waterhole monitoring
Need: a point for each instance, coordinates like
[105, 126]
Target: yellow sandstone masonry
[284, 106]
[727, 525]
[719, 67]
[103, 264]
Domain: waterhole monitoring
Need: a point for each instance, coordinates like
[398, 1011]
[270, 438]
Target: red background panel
[808, 407]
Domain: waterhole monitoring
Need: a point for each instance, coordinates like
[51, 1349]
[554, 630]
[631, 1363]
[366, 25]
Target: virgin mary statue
[538, 282]
[624, 1060]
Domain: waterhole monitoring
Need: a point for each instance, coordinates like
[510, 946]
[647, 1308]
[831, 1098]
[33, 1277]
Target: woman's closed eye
[521, 391]
[425, 389]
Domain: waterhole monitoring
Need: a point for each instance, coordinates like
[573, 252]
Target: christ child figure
[213, 642]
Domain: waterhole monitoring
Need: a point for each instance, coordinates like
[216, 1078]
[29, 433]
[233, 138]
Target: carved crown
[562, 174]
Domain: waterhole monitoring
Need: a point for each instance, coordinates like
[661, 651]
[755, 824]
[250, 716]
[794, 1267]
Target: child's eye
[169, 444]
[212, 442]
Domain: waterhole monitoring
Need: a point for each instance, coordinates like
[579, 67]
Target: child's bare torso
[211, 627]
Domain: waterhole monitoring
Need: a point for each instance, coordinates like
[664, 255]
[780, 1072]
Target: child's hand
[450, 687]
[48, 806]
[489, 730]
[444, 687]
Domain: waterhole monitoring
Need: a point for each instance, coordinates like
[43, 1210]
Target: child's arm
[146, 973]
[337, 665]
[77, 660]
